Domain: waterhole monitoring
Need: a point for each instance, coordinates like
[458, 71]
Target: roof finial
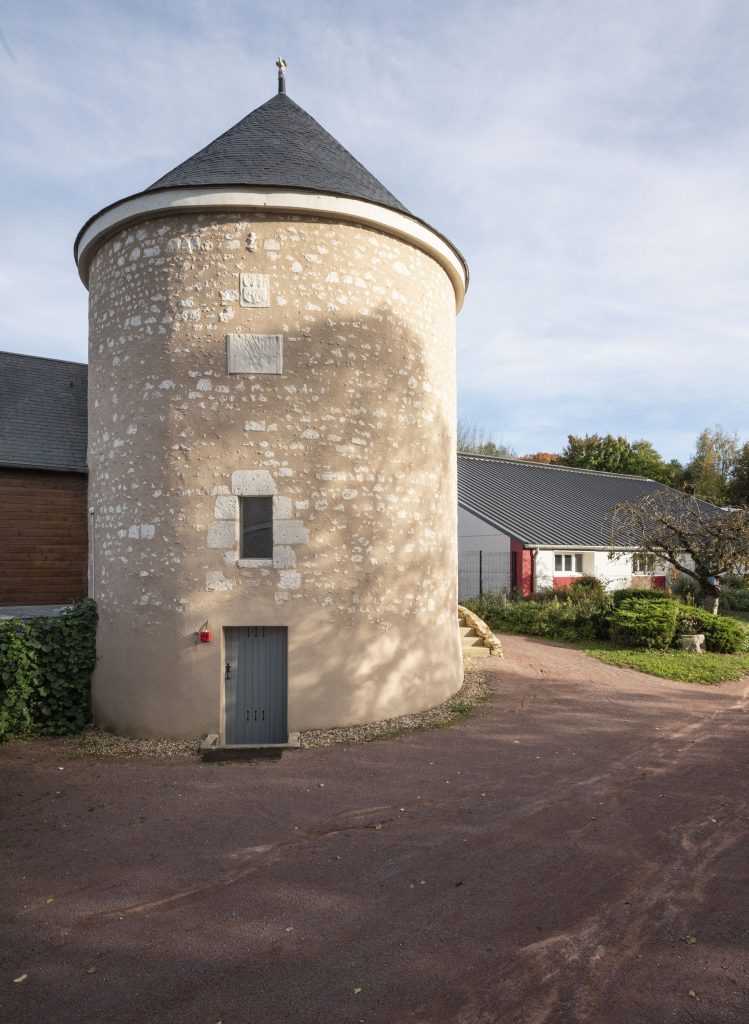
[281, 65]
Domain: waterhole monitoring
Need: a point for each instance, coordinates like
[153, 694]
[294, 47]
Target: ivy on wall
[45, 672]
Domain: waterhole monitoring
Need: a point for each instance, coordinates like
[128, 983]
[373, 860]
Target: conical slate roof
[279, 145]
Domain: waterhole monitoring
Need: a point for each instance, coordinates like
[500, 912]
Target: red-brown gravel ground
[575, 851]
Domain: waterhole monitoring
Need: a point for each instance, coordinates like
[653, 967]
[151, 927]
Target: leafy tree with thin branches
[476, 440]
[695, 537]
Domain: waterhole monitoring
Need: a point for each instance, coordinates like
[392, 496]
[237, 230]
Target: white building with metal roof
[530, 526]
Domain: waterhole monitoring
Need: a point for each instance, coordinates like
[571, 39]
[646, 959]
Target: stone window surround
[223, 533]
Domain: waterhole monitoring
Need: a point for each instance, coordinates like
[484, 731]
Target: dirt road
[575, 852]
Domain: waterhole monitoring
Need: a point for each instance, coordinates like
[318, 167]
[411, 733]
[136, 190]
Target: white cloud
[589, 159]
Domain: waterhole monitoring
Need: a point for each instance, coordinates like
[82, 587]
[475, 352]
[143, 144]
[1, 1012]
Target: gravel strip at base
[98, 743]
[475, 689]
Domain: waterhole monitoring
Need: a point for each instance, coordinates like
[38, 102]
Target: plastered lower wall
[355, 439]
[615, 572]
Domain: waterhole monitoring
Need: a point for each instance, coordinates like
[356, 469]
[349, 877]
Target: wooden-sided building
[43, 481]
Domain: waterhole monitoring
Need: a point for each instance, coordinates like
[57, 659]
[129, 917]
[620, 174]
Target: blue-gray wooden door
[256, 684]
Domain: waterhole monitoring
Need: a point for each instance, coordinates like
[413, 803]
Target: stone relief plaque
[254, 290]
[254, 353]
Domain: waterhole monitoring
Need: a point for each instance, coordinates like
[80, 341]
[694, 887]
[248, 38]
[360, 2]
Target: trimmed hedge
[639, 594]
[649, 624]
[45, 672]
[722, 635]
[584, 618]
[629, 618]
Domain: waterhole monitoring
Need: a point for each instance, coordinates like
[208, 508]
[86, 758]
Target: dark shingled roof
[546, 506]
[279, 145]
[43, 416]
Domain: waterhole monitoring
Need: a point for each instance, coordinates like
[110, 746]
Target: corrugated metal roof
[543, 505]
[43, 415]
[279, 144]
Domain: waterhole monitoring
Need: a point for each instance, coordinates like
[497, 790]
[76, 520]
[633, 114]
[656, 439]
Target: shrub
[639, 594]
[733, 598]
[724, 636]
[549, 594]
[18, 677]
[587, 586]
[687, 589]
[45, 671]
[546, 615]
[512, 616]
[649, 624]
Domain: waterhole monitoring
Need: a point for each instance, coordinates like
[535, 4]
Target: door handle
[228, 670]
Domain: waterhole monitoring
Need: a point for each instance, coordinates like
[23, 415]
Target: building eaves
[546, 505]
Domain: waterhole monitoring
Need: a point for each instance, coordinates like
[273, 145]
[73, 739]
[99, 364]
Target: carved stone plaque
[254, 353]
[254, 290]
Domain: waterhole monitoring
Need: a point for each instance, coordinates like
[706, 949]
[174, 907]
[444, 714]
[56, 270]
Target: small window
[643, 564]
[568, 563]
[256, 527]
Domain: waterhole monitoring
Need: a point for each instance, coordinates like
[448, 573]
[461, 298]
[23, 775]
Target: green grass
[741, 616]
[682, 666]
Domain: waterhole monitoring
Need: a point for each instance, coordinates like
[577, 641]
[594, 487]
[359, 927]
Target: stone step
[212, 750]
[467, 631]
[472, 641]
[476, 652]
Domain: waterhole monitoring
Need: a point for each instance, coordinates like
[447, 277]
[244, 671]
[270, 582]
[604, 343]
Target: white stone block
[254, 353]
[217, 581]
[290, 579]
[281, 507]
[283, 557]
[226, 507]
[254, 290]
[255, 483]
[290, 531]
[223, 534]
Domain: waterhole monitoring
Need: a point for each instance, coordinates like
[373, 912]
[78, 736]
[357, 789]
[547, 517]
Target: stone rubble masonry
[354, 439]
[481, 630]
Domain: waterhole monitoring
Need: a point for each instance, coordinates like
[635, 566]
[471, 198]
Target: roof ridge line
[555, 465]
[47, 359]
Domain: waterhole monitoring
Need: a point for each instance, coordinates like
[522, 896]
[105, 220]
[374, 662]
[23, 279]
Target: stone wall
[348, 420]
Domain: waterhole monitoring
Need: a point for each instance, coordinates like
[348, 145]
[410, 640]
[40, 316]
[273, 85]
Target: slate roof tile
[280, 145]
[43, 414]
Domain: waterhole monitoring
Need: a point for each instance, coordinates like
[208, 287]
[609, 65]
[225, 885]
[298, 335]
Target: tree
[618, 455]
[738, 491]
[477, 440]
[711, 467]
[698, 539]
[548, 458]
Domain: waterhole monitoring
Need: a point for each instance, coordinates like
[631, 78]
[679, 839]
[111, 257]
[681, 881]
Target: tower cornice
[173, 201]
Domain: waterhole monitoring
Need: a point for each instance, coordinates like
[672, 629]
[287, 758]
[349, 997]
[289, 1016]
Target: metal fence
[482, 572]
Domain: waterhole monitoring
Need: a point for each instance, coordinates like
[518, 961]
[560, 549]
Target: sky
[590, 159]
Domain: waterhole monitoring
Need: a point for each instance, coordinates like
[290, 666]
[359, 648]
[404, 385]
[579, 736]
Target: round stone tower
[271, 443]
